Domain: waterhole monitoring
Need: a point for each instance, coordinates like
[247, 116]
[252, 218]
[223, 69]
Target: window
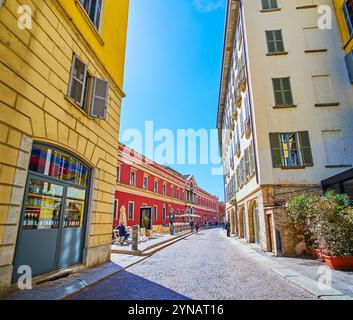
[291, 149]
[116, 211]
[156, 186]
[145, 183]
[282, 91]
[90, 93]
[274, 40]
[155, 213]
[269, 4]
[118, 174]
[164, 213]
[131, 211]
[247, 164]
[348, 15]
[171, 192]
[94, 10]
[178, 194]
[132, 178]
[164, 189]
[78, 81]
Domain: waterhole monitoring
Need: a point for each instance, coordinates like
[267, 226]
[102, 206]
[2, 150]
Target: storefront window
[75, 204]
[58, 165]
[43, 206]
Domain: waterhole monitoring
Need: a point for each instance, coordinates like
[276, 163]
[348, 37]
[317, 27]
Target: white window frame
[94, 21]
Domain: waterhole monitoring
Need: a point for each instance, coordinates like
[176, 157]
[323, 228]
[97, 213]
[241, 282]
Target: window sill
[292, 168]
[90, 23]
[285, 106]
[73, 103]
[331, 104]
[270, 10]
[309, 6]
[279, 53]
[316, 51]
[332, 166]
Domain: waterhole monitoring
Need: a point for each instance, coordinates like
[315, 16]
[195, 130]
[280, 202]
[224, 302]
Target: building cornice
[229, 35]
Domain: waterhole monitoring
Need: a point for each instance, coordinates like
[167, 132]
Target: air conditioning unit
[349, 64]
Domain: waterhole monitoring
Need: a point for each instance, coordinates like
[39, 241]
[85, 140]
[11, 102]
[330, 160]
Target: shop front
[54, 215]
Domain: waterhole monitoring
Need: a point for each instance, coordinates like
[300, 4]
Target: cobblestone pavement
[204, 266]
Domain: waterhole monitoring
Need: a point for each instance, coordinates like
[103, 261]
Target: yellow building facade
[344, 14]
[343, 23]
[61, 79]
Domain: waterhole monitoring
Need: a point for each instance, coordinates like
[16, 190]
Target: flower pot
[312, 252]
[319, 255]
[339, 263]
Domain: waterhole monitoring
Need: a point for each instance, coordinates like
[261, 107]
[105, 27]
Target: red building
[143, 183]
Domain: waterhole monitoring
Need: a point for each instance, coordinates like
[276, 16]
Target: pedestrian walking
[197, 227]
[227, 226]
[191, 224]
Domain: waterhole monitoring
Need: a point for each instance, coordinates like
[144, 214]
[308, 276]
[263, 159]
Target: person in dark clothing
[122, 232]
[191, 224]
[197, 227]
[227, 227]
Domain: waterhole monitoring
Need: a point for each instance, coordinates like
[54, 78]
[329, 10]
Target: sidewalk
[145, 246]
[61, 288]
[307, 273]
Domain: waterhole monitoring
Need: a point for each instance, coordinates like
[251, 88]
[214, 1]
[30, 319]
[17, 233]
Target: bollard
[135, 238]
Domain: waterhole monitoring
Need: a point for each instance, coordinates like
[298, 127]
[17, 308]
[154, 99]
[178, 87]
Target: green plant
[302, 212]
[325, 221]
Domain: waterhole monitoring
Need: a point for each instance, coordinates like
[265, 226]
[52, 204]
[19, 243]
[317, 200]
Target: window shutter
[276, 150]
[306, 149]
[99, 98]
[77, 80]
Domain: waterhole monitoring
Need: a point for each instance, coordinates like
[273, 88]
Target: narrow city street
[203, 266]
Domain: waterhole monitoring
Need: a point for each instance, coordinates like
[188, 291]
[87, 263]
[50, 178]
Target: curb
[142, 252]
[300, 280]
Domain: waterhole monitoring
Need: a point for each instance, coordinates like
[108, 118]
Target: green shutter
[306, 148]
[276, 150]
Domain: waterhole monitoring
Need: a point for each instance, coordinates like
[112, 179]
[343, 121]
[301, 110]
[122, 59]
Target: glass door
[40, 223]
[72, 232]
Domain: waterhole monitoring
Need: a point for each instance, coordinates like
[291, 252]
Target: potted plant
[334, 231]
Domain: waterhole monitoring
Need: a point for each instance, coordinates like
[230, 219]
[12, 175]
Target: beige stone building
[60, 103]
[284, 116]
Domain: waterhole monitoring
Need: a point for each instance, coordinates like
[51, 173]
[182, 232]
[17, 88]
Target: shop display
[75, 204]
[43, 205]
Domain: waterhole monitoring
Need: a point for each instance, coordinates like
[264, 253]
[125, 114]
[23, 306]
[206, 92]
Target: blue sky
[172, 73]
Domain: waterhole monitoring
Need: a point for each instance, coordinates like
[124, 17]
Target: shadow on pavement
[127, 286]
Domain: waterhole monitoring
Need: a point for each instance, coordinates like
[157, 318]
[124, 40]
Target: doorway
[53, 219]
